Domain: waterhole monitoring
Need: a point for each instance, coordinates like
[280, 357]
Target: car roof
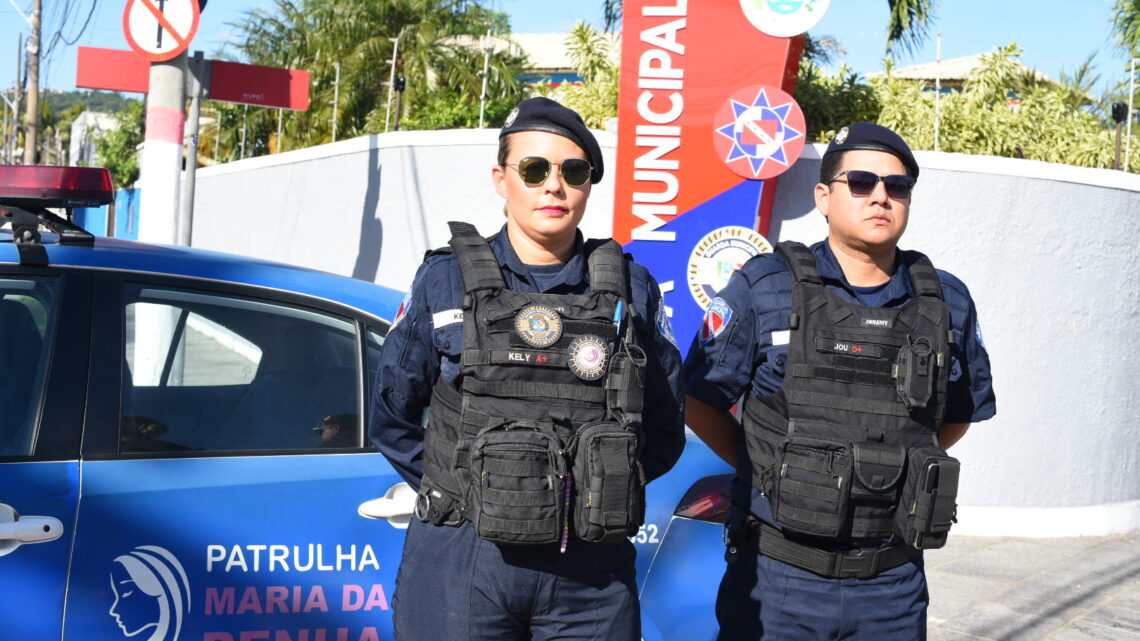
[116, 254]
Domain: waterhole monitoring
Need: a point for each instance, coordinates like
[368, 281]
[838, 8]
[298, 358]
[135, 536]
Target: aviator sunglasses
[534, 170]
[862, 183]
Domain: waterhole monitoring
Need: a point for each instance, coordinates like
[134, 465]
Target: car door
[213, 506]
[44, 330]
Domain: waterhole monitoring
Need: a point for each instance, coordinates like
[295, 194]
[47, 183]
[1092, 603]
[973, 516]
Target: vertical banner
[706, 122]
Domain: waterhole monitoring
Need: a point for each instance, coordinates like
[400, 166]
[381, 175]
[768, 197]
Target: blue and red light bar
[48, 186]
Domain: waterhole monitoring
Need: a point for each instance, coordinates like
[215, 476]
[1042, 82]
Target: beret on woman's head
[543, 114]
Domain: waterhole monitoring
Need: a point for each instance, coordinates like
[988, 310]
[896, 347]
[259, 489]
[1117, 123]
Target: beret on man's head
[543, 114]
[868, 135]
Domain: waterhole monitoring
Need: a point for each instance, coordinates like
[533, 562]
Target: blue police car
[181, 454]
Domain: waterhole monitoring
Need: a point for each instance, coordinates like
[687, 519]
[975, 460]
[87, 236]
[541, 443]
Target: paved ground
[1007, 589]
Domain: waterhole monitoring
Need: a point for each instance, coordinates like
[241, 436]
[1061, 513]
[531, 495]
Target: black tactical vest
[847, 448]
[538, 438]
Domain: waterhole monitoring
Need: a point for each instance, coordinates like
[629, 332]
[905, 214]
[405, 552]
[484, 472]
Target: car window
[27, 310]
[212, 372]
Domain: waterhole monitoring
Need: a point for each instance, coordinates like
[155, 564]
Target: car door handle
[395, 506]
[16, 530]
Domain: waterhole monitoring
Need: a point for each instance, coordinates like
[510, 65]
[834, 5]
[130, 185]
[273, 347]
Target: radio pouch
[927, 509]
[518, 480]
[609, 486]
[812, 486]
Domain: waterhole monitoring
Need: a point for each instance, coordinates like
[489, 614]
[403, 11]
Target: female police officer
[553, 382]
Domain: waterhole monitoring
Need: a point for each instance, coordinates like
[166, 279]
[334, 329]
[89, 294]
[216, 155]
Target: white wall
[1049, 252]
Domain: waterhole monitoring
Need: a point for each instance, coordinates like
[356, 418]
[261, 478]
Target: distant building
[84, 130]
[548, 59]
[951, 73]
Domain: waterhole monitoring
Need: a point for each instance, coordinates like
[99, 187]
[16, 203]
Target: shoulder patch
[716, 320]
[664, 326]
[402, 311]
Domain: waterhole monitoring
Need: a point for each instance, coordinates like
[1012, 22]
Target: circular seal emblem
[511, 117]
[841, 136]
[759, 132]
[538, 325]
[719, 254]
[588, 356]
[784, 18]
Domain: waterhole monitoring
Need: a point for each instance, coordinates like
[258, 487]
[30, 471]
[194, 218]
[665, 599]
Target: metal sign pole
[197, 81]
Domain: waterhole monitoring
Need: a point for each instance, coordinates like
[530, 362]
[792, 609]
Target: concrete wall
[1049, 253]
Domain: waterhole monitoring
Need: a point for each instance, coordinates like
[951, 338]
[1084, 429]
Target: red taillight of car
[707, 500]
[56, 186]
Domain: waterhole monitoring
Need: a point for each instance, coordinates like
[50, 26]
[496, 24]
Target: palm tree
[1126, 25]
[347, 48]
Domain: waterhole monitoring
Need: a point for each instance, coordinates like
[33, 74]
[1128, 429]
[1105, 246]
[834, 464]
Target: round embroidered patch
[588, 357]
[538, 325]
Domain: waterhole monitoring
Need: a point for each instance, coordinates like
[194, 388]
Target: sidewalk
[1006, 589]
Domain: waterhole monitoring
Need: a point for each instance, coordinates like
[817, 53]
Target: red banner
[257, 85]
[112, 69]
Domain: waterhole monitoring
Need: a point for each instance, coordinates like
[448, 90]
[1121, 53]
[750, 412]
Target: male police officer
[861, 364]
[554, 389]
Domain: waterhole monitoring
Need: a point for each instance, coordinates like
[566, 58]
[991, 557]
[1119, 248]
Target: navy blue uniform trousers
[761, 598]
[454, 586]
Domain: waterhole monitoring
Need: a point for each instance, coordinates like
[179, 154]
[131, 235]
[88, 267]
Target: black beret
[543, 114]
[868, 135]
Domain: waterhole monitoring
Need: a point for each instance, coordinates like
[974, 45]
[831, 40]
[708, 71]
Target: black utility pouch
[812, 486]
[517, 485]
[927, 508]
[625, 382]
[609, 486]
[875, 486]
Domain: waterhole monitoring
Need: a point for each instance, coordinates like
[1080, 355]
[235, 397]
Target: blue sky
[1054, 34]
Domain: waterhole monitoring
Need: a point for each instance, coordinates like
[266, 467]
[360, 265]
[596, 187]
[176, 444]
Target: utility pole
[483, 93]
[336, 98]
[1131, 91]
[16, 98]
[391, 80]
[937, 87]
[31, 138]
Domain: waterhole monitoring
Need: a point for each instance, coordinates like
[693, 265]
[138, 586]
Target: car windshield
[27, 313]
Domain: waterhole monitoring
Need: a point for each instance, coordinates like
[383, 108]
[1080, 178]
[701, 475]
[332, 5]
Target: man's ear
[822, 195]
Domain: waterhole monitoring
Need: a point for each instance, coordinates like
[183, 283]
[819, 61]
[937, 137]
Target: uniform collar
[898, 288]
[572, 274]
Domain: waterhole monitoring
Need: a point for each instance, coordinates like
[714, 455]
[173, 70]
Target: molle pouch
[878, 470]
[914, 373]
[927, 508]
[609, 486]
[625, 383]
[517, 485]
[812, 486]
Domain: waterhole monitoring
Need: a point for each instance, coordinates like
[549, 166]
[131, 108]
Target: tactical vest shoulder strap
[800, 261]
[608, 269]
[922, 275]
[477, 262]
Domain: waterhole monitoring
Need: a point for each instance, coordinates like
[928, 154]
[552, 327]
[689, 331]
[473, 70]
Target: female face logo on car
[152, 593]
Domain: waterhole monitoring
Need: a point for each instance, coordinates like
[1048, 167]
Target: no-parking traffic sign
[160, 29]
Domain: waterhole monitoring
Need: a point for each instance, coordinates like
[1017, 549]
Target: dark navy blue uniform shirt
[747, 352]
[427, 340]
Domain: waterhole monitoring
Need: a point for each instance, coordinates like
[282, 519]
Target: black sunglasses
[862, 183]
[534, 170]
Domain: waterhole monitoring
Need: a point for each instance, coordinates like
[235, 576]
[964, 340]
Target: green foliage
[346, 47]
[909, 23]
[1000, 111]
[103, 101]
[829, 102]
[445, 108]
[596, 98]
[118, 149]
[1126, 26]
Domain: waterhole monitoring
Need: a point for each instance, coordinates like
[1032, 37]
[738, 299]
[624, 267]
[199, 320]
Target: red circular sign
[159, 30]
[759, 132]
